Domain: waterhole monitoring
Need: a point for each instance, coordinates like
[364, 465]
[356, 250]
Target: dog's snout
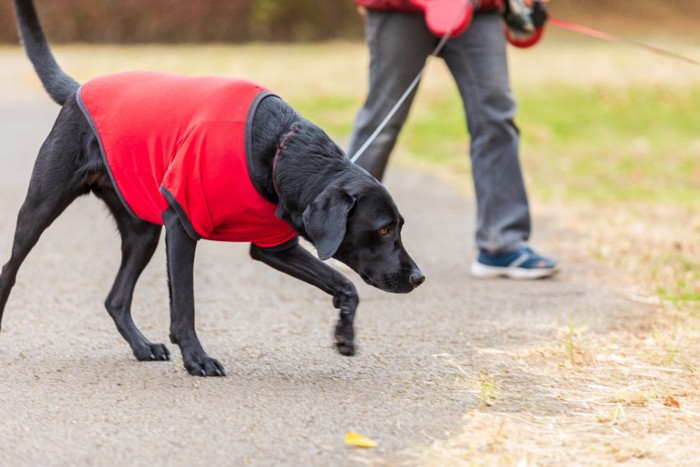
[417, 277]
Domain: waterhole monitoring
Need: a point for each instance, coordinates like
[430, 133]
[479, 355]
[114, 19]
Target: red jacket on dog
[182, 141]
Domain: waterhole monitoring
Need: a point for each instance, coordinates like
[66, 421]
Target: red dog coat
[182, 141]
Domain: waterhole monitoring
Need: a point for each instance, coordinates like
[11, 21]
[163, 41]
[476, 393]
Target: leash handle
[446, 15]
[523, 25]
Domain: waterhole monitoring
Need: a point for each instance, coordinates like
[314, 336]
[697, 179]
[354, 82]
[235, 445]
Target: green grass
[614, 144]
[599, 144]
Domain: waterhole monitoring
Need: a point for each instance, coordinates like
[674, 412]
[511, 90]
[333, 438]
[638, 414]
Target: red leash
[586, 31]
[583, 30]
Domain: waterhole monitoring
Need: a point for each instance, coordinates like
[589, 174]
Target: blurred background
[134, 21]
[610, 131]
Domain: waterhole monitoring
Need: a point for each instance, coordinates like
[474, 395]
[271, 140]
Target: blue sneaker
[522, 263]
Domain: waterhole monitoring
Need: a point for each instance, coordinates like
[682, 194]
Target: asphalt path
[71, 393]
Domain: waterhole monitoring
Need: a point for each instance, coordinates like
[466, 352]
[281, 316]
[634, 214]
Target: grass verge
[616, 166]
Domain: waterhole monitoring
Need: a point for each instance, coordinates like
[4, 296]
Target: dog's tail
[57, 83]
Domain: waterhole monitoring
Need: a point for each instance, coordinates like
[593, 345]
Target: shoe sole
[490, 272]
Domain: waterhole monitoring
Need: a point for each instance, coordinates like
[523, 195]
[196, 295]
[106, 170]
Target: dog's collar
[277, 155]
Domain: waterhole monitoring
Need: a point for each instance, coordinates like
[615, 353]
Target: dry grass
[618, 398]
[629, 396]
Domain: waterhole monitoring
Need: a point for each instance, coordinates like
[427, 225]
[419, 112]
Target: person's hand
[524, 17]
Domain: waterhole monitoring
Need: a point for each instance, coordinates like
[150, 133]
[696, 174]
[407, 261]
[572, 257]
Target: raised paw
[150, 352]
[344, 340]
[346, 348]
[200, 364]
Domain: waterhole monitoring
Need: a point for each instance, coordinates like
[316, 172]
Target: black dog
[292, 163]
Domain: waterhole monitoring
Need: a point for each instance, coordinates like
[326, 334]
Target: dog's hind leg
[53, 186]
[139, 242]
[299, 263]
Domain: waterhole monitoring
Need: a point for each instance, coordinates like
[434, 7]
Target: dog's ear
[325, 220]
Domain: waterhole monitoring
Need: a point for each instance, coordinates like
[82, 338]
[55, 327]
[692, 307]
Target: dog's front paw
[344, 339]
[346, 348]
[201, 364]
[150, 352]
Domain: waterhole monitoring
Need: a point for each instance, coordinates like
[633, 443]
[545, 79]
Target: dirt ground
[71, 393]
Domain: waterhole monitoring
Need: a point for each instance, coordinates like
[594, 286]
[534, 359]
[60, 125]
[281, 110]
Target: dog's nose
[417, 277]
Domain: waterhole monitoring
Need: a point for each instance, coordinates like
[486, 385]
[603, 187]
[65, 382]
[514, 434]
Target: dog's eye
[384, 231]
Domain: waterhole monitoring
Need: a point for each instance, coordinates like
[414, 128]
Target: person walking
[399, 43]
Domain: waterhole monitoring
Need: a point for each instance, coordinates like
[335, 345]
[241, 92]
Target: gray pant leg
[477, 60]
[398, 45]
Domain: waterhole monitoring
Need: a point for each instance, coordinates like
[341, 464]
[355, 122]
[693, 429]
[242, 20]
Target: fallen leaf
[670, 401]
[353, 439]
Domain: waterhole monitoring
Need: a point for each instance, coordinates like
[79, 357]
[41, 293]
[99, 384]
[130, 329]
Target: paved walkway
[71, 393]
